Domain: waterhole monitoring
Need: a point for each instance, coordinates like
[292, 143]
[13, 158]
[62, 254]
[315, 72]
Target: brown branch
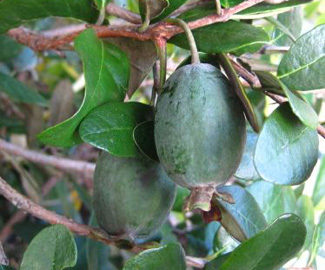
[123, 13]
[64, 164]
[160, 30]
[279, 99]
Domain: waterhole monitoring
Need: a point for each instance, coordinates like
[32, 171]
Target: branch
[96, 234]
[64, 164]
[279, 99]
[162, 30]
[123, 13]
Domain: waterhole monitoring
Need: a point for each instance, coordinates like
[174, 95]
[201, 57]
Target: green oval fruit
[132, 196]
[199, 127]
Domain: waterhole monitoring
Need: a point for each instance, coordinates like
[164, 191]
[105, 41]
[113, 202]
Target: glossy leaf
[169, 257]
[292, 20]
[142, 55]
[271, 248]
[286, 150]
[301, 108]
[244, 218]
[302, 67]
[110, 127]
[16, 12]
[273, 200]
[106, 73]
[305, 210]
[19, 92]
[217, 262]
[319, 188]
[231, 36]
[267, 9]
[246, 169]
[143, 136]
[52, 249]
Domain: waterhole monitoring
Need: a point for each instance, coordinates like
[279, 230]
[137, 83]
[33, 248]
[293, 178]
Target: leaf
[286, 150]
[244, 218]
[230, 3]
[110, 127]
[169, 257]
[305, 210]
[142, 56]
[4, 267]
[267, 9]
[155, 7]
[246, 169]
[223, 242]
[292, 20]
[318, 247]
[60, 251]
[106, 73]
[231, 36]
[217, 262]
[302, 67]
[20, 92]
[173, 5]
[143, 136]
[301, 108]
[271, 248]
[319, 188]
[9, 48]
[16, 12]
[273, 200]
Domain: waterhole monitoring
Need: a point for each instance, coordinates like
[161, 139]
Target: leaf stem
[162, 54]
[239, 89]
[190, 38]
[146, 22]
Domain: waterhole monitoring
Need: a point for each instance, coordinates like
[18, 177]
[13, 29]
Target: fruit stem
[239, 89]
[162, 55]
[190, 38]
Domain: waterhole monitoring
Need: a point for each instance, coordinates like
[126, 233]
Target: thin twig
[162, 30]
[123, 13]
[64, 164]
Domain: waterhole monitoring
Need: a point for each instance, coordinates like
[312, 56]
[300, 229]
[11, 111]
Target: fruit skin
[199, 127]
[132, 196]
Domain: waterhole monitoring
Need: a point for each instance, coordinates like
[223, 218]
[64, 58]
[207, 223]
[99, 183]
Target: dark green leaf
[4, 267]
[319, 189]
[217, 262]
[269, 82]
[155, 7]
[106, 73]
[230, 3]
[19, 92]
[271, 248]
[302, 67]
[110, 127]
[301, 108]
[168, 257]
[231, 36]
[9, 48]
[52, 249]
[142, 56]
[273, 200]
[293, 21]
[143, 135]
[286, 150]
[267, 9]
[246, 169]
[16, 12]
[244, 218]
[305, 211]
[173, 5]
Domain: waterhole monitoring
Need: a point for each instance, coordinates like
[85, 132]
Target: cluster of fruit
[199, 135]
